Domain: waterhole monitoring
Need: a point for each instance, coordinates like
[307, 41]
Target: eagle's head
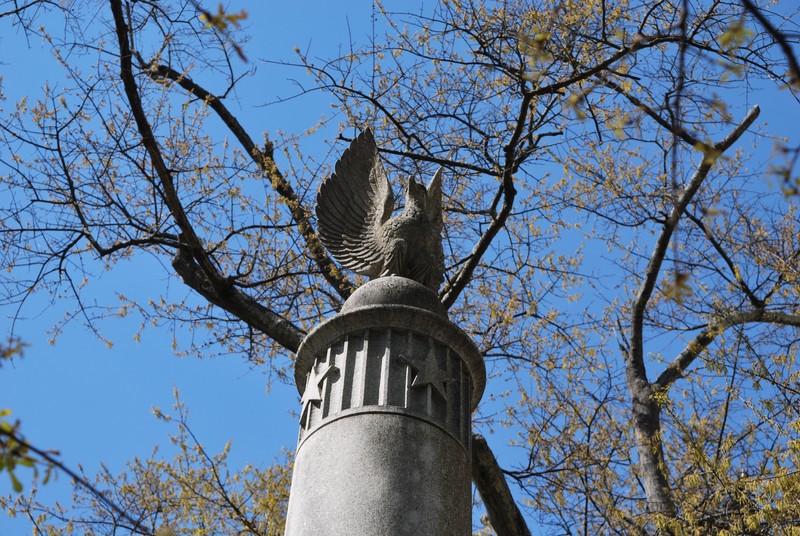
[416, 196]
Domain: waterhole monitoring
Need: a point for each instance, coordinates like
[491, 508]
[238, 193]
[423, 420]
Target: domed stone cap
[394, 290]
[391, 303]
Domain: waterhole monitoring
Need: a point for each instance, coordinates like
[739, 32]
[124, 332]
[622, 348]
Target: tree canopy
[621, 236]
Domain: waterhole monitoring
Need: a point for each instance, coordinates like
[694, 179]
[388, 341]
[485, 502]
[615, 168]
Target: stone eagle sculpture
[354, 210]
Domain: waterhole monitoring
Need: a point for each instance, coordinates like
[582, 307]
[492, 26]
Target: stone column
[388, 386]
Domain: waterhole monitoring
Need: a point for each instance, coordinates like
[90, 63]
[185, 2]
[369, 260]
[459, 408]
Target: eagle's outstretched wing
[433, 202]
[353, 204]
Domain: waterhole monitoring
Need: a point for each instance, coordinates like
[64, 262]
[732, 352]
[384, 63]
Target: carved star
[312, 392]
[428, 373]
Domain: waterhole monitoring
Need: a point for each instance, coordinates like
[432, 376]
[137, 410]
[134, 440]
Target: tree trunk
[647, 428]
[504, 515]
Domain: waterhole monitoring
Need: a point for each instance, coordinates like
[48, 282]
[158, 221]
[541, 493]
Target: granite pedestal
[388, 386]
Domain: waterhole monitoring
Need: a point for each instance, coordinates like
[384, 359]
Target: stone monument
[388, 385]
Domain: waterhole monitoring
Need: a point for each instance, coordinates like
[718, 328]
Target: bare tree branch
[646, 411]
[676, 129]
[192, 261]
[135, 527]
[453, 288]
[662, 244]
[238, 303]
[154, 152]
[264, 159]
[780, 38]
[755, 301]
[709, 333]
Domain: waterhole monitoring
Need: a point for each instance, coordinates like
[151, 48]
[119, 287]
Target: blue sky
[93, 403]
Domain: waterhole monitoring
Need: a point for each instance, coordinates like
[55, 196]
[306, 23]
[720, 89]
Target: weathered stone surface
[354, 211]
[368, 309]
[392, 290]
[394, 370]
[380, 474]
[388, 386]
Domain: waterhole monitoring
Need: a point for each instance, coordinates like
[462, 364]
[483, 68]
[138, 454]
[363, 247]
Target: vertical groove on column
[347, 366]
[408, 372]
[452, 389]
[325, 388]
[359, 391]
[466, 407]
[429, 388]
[383, 389]
[392, 368]
[463, 405]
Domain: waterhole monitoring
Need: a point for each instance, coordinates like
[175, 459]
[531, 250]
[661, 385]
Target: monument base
[388, 386]
[380, 473]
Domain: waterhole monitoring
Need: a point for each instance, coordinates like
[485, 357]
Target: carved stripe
[383, 389]
[390, 368]
[359, 391]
